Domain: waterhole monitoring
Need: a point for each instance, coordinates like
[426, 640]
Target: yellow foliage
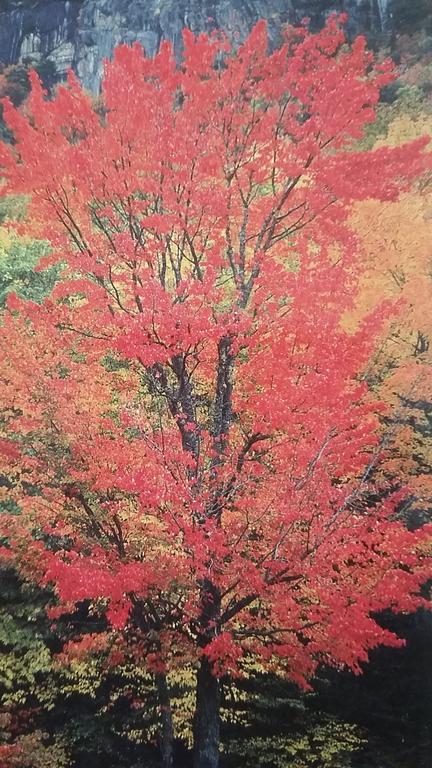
[397, 245]
[396, 238]
[327, 745]
[5, 241]
[182, 685]
[404, 128]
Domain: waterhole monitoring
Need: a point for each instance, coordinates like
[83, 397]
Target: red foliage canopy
[186, 429]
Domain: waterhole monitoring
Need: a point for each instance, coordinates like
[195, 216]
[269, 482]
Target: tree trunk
[206, 730]
[166, 731]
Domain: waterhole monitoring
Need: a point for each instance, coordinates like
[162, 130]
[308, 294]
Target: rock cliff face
[81, 33]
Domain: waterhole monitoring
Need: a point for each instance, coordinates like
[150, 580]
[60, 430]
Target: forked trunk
[166, 730]
[206, 730]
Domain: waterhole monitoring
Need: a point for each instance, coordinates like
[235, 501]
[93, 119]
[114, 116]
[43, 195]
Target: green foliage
[20, 256]
[12, 208]
[17, 262]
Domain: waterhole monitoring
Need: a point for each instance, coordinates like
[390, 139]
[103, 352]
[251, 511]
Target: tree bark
[206, 728]
[166, 730]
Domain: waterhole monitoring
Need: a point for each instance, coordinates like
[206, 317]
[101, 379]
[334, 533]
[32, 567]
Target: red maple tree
[185, 426]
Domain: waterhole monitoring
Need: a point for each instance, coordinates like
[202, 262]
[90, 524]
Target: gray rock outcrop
[81, 33]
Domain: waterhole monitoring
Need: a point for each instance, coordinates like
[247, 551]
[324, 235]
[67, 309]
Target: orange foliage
[397, 247]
